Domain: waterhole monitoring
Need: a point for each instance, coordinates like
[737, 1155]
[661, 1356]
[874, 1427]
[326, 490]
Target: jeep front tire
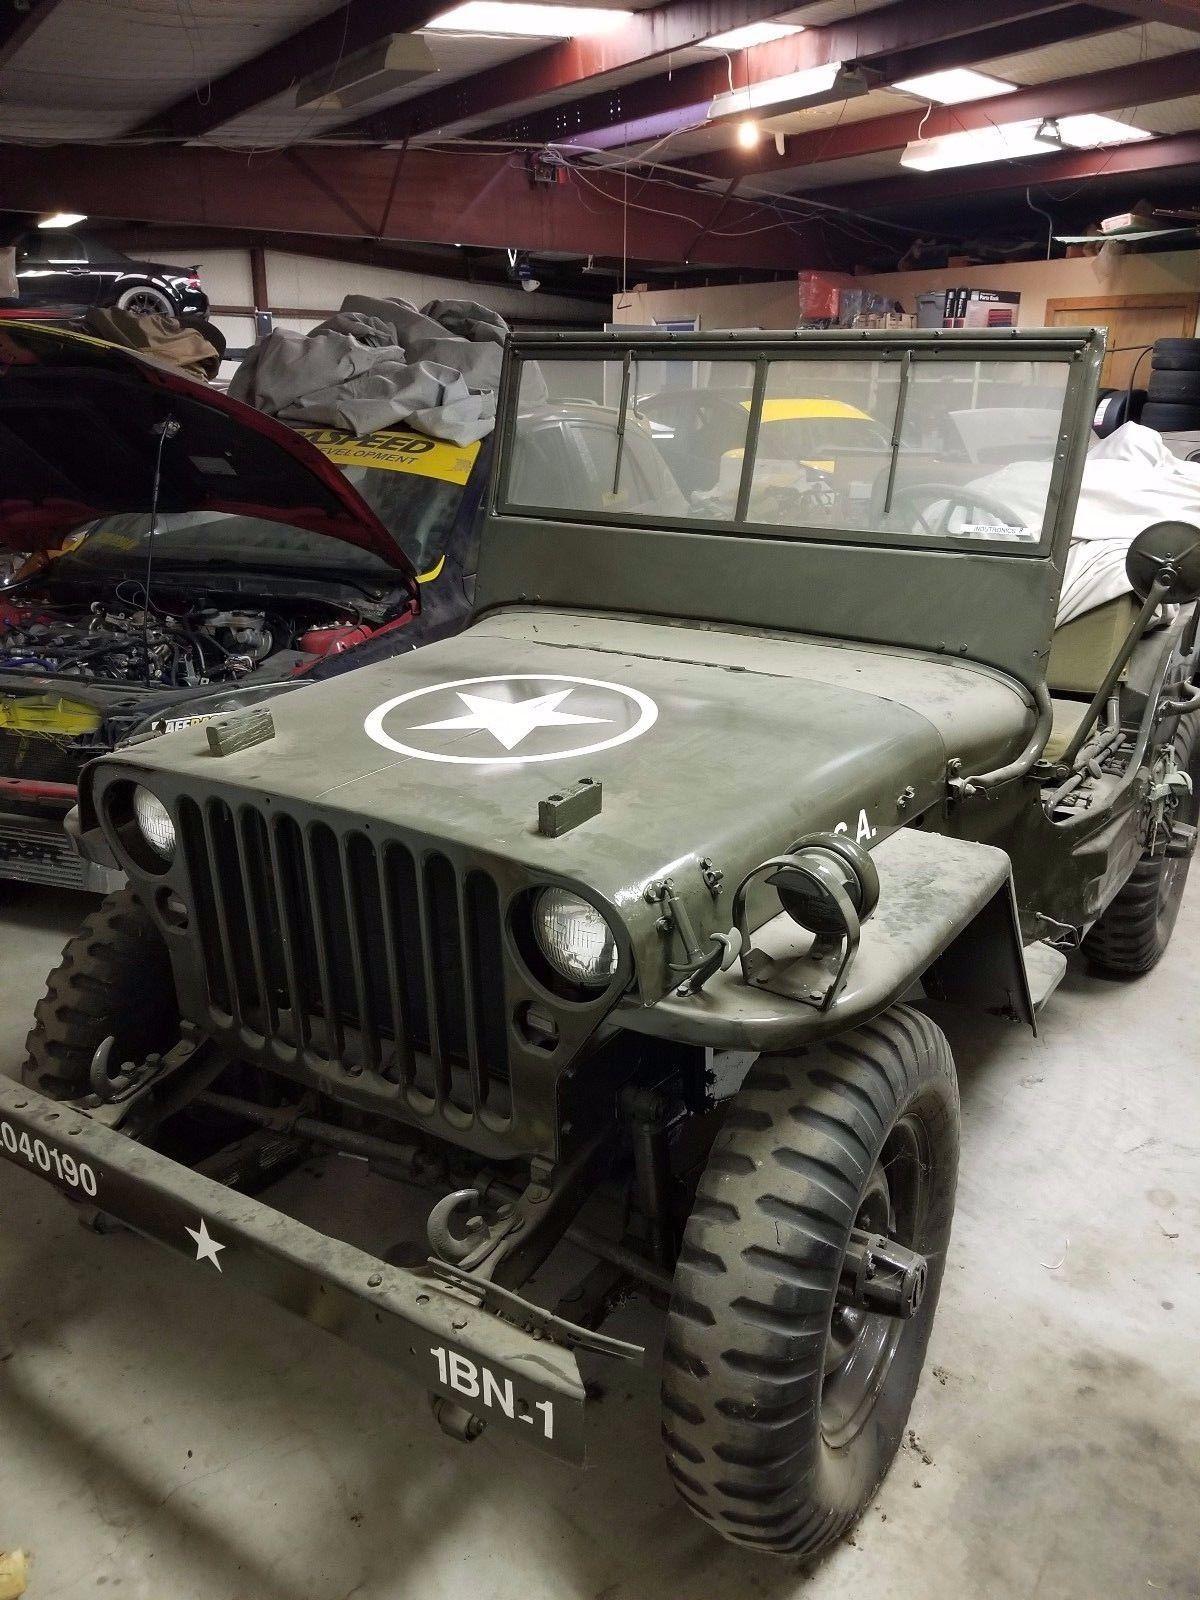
[1135, 930]
[783, 1406]
[113, 980]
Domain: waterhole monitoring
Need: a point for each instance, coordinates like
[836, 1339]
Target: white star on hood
[510, 721]
[206, 1246]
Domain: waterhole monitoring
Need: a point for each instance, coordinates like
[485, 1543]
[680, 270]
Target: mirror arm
[1164, 580]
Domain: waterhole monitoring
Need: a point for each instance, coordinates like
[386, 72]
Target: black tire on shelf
[782, 1410]
[114, 978]
[1174, 388]
[1176, 355]
[1115, 407]
[1136, 929]
[1170, 418]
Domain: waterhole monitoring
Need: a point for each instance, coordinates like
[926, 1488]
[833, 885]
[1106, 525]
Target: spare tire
[1170, 418]
[1175, 388]
[1176, 355]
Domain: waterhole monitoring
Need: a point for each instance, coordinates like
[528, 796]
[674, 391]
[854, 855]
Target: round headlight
[574, 938]
[154, 822]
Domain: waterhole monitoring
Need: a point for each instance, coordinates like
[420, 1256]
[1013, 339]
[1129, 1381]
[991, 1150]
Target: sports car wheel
[787, 1380]
[146, 302]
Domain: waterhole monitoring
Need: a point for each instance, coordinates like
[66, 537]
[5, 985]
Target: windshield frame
[1079, 349]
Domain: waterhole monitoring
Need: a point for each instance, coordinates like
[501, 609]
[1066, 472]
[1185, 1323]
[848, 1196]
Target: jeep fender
[947, 914]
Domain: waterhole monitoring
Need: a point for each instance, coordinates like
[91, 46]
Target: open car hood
[80, 431]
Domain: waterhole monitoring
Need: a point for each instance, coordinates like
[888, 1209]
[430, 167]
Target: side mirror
[1170, 551]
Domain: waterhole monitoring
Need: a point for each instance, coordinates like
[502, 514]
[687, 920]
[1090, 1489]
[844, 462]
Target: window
[916, 446]
[64, 250]
[896, 443]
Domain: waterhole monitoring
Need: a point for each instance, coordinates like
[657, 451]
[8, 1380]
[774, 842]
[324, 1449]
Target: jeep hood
[80, 425]
[709, 745]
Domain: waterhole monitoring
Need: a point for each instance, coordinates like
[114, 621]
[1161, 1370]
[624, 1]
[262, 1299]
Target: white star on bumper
[206, 1246]
[510, 721]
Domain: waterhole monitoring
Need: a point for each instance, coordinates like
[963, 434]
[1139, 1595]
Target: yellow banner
[396, 452]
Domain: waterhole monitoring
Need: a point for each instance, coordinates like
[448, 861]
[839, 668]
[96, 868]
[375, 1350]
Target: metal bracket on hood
[227, 735]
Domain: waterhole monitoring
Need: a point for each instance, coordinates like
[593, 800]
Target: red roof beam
[460, 197]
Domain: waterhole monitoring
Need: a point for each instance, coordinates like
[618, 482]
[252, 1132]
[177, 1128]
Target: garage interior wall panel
[224, 274]
[774, 305]
[310, 281]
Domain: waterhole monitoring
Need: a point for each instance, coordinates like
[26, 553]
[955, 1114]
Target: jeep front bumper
[485, 1349]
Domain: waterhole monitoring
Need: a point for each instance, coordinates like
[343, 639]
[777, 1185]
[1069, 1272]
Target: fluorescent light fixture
[1006, 140]
[752, 33]
[378, 70]
[519, 20]
[954, 86]
[1090, 131]
[63, 219]
[814, 86]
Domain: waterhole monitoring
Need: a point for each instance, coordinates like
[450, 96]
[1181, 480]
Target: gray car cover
[376, 363]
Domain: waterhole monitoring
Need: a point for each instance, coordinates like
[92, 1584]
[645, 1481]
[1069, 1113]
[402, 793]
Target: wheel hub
[881, 1288]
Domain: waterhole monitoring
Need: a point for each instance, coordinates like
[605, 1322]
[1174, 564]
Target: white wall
[313, 282]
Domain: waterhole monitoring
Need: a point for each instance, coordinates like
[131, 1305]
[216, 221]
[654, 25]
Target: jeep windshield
[910, 442]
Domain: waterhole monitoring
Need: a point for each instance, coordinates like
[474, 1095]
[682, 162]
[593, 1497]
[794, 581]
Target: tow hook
[882, 1276]
[456, 1420]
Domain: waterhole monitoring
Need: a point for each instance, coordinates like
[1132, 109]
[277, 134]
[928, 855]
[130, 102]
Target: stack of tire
[1173, 393]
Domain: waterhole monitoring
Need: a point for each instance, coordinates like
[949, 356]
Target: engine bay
[119, 641]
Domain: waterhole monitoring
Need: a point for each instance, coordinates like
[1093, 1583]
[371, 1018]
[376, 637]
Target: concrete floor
[161, 1436]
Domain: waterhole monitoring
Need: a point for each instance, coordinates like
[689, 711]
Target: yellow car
[701, 434]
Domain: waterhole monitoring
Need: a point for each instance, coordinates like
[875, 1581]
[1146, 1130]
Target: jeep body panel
[754, 743]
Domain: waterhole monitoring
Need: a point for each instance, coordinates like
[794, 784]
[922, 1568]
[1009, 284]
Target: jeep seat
[1081, 652]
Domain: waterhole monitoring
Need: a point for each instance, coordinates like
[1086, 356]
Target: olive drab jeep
[636, 886]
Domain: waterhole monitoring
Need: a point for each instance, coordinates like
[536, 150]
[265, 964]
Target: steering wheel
[915, 501]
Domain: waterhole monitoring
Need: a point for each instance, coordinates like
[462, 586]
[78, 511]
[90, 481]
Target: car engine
[114, 643]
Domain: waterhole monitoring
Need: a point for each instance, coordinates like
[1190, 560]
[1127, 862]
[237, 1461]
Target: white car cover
[1130, 480]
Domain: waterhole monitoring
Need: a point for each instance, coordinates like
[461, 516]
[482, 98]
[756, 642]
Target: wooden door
[1133, 321]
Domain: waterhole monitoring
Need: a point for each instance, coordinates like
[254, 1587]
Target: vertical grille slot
[445, 980]
[262, 918]
[369, 947]
[296, 926]
[204, 906]
[230, 903]
[331, 935]
[402, 934]
[485, 988]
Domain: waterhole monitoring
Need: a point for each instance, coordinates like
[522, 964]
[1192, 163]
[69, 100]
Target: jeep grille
[361, 956]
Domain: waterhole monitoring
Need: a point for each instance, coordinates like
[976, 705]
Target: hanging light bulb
[748, 133]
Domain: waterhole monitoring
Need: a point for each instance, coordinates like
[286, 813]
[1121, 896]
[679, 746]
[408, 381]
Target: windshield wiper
[621, 420]
[897, 428]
